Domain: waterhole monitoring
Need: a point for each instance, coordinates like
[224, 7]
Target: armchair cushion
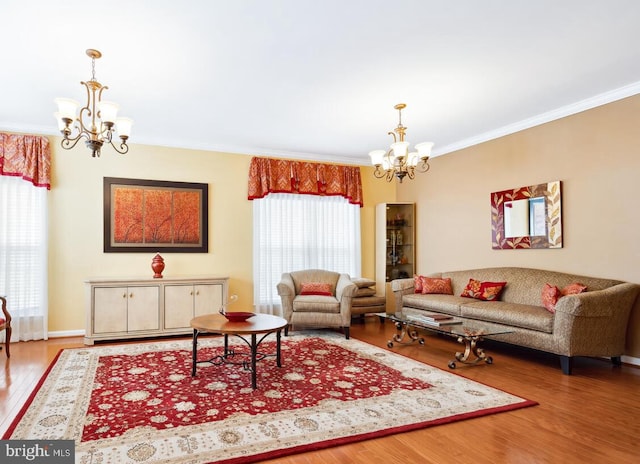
[315, 288]
[316, 304]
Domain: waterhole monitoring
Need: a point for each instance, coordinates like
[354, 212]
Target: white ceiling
[318, 78]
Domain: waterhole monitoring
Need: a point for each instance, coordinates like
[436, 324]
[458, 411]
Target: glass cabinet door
[395, 246]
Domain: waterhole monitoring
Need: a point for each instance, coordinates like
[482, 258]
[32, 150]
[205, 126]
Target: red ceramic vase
[157, 264]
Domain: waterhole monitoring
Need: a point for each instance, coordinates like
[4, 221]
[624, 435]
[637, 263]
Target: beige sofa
[593, 323]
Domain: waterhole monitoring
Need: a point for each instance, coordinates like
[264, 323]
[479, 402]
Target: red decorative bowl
[237, 316]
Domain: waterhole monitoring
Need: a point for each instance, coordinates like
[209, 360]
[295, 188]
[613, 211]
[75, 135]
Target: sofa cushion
[315, 288]
[488, 291]
[550, 295]
[516, 315]
[448, 304]
[362, 282]
[417, 283]
[364, 292]
[368, 301]
[314, 275]
[432, 285]
[316, 304]
[573, 289]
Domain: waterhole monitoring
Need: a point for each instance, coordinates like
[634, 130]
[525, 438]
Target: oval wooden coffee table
[260, 324]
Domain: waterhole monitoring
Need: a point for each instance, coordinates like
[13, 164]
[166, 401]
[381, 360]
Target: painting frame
[153, 209]
[548, 206]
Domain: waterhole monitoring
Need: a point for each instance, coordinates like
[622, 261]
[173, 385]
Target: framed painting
[154, 215]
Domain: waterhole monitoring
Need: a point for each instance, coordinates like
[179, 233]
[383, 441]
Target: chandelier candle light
[96, 121]
[397, 161]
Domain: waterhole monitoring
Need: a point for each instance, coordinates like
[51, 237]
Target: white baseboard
[66, 333]
[631, 360]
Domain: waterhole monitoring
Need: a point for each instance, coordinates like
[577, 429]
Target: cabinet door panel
[208, 299]
[110, 311]
[395, 247]
[142, 311]
[178, 306]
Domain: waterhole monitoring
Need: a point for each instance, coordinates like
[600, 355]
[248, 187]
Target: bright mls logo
[37, 451]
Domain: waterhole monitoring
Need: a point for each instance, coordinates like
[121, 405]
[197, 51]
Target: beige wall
[76, 224]
[596, 155]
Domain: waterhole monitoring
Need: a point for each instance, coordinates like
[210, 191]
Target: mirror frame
[552, 193]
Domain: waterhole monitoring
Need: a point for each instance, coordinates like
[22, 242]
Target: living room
[592, 151]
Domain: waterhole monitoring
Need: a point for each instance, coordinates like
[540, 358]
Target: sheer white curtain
[293, 232]
[23, 256]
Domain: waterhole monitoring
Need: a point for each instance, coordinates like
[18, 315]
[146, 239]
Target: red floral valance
[269, 175]
[26, 156]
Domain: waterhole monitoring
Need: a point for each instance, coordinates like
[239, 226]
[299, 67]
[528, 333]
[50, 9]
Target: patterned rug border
[362, 348]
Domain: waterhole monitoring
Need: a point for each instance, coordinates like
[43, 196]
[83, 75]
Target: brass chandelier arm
[379, 173]
[400, 172]
[424, 165]
[68, 143]
[124, 148]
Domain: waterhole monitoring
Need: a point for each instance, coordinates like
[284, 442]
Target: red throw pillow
[315, 288]
[487, 291]
[417, 284]
[550, 295]
[436, 285]
[573, 289]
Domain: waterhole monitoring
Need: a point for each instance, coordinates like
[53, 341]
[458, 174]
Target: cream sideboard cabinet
[136, 308]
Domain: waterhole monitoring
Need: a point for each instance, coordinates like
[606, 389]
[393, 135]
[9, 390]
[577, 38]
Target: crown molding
[559, 113]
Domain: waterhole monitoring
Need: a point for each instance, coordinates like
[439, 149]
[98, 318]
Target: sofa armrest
[599, 303]
[400, 288]
[345, 288]
[403, 285]
[594, 323]
[287, 292]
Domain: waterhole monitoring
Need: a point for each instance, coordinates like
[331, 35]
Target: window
[23, 256]
[293, 232]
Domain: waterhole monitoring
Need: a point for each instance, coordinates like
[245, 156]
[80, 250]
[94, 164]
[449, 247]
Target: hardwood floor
[592, 416]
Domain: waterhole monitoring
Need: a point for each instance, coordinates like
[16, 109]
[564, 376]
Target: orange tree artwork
[143, 215]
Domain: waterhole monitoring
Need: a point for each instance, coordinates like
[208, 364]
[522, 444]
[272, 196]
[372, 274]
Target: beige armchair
[316, 298]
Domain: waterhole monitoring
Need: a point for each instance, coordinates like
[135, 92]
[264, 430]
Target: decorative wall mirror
[527, 217]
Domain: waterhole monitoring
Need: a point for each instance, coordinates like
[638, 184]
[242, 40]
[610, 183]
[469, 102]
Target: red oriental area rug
[139, 403]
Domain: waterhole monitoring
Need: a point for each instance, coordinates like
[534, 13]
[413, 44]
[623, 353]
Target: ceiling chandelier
[96, 122]
[397, 161]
